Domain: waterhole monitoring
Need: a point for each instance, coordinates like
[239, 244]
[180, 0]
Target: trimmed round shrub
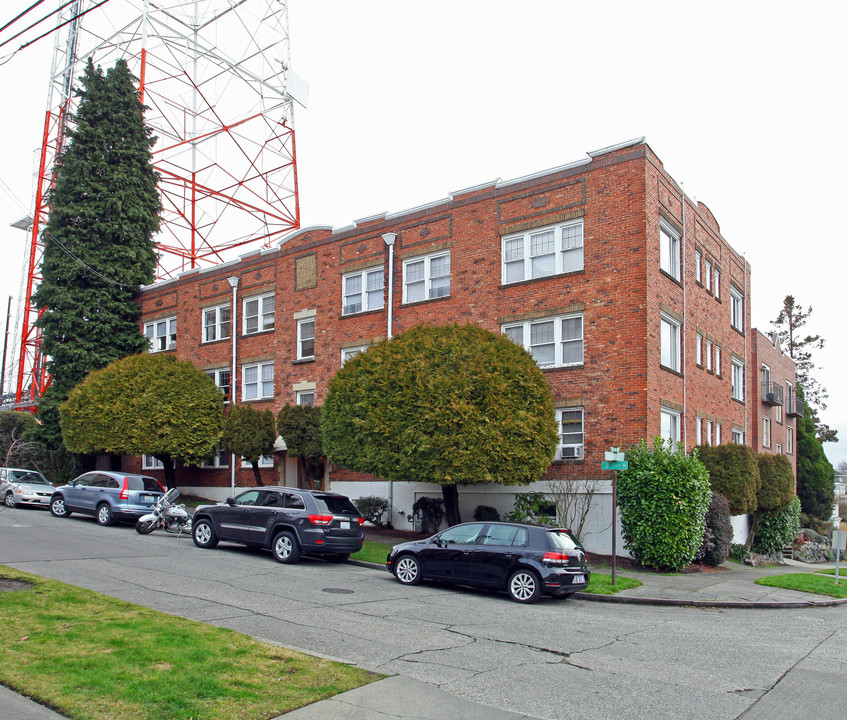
[777, 482]
[486, 513]
[372, 508]
[734, 473]
[778, 530]
[663, 498]
[717, 537]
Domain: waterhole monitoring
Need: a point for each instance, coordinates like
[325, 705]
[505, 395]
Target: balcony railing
[796, 407]
[772, 393]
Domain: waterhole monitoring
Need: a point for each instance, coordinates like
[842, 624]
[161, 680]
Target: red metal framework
[214, 75]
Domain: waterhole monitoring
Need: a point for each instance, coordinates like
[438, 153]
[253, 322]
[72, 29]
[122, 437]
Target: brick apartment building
[622, 288]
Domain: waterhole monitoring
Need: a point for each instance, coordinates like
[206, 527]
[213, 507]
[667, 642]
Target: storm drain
[338, 591]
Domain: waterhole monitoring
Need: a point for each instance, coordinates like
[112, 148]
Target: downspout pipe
[233, 325]
[389, 239]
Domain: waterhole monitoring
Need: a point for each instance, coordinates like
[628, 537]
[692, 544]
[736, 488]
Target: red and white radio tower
[215, 76]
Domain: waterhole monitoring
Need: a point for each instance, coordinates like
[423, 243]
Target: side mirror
[71, 482]
[230, 501]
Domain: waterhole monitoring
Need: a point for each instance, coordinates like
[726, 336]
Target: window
[363, 291]
[699, 349]
[426, 278]
[699, 428]
[351, 352]
[778, 413]
[766, 432]
[305, 339]
[669, 251]
[717, 433]
[148, 462]
[737, 436]
[259, 314]
[708, 276]
[778, 449]
[161, 334]
[265, 461]
[709, 426]
[789, 440]
[306, 397]
[571, 433]
[670, 343]
[698, 266]
[257, 381]
[766, 378]
[219, 460]
[551, 341]
[670, 422]
[717, 360]
[716, 283]
[216, 323]
[709, 355]
[543, 252]
[736, 309]
[737, 380]
[221, 378]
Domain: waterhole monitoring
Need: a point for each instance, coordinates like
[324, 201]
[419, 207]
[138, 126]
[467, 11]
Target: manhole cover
[338, 591]
[7, 585]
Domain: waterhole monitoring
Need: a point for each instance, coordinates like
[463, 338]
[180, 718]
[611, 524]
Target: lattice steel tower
[215, 76]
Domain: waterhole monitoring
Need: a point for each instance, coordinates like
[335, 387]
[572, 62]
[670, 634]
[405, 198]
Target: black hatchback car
[288, 521]
[525, 560]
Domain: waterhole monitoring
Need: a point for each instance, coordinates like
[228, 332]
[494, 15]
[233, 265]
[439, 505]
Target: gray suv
[108, 496]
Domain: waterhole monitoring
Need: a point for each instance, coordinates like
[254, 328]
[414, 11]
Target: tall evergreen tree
[815, 474]
[98, 247]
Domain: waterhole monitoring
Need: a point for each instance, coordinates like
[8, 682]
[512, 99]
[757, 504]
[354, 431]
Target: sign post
[614, 462]
[839, 543]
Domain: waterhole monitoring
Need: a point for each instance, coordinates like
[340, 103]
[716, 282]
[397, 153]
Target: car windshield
[36, 478]
[335, 505]
[142, 482]
[560, 540]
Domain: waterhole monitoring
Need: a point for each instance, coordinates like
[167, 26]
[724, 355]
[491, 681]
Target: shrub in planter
[372, 508]
[717, 537]
[778, 530]
[486, 513]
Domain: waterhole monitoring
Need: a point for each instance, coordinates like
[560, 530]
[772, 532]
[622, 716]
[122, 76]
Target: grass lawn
[601, 583]
[375, 552]
[808, 582]
[90, 656]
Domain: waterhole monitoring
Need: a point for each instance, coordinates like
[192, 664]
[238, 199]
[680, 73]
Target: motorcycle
[165, 514]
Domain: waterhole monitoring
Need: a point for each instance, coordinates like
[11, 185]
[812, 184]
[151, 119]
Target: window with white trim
[737, 436]
[216, 323]
[219, 460]
[766, 432]
[699, 346]
[670, 339]
[306, 339]
[778, 413]
[542, 252]
[698, 423]
[717, 433]
[362, 291]
[717, 281]
[708, 276]
[259, 314]
[265, 461]
[221, 378]
[306, 397]
[698, 266]
[257, 381]
[736, 308]
[670, 422]
[571, 432]
[553, 342]
[351, 352]
[789, 440]
[709, 426]
[426, 278]
[737, 380]
[709, 347]
[148, 462]
[778, 449]
[669, 250]
[718, 360]
[161, 334]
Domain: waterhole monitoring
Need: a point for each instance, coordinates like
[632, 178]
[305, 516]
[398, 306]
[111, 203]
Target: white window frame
[216, 378]
[778, 448]
[709, 428]
[305, 338]
[671, 343]
[698, 424]
[213, 331]
[670, 425]
[737, 436]
[709, 347]
[699, 346]
[669, 250]
[148, 462]
[738, 380]
[766, 431]
[351, 352]
[789, 440]
[571, 443]
[717, 349]
[306, 398]
[717, 281]
[698, 266]
[736, 305]
[260, 386]
[564, 250]
[161, 334]
[708, 276]
[717, 433]
[219, 460]
[265, 461]
[260, 318]
[433, 286]
[370, 296]
[523, 334]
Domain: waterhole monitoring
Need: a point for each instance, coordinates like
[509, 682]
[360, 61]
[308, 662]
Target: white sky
[742, 101]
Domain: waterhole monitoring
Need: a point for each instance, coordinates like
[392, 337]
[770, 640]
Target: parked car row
[526, 561]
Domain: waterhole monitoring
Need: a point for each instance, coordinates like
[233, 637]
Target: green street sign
[617, 465]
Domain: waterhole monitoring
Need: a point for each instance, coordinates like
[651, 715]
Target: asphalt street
[554, 659]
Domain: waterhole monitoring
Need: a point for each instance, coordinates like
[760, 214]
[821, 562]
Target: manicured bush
[372, 508]
[663, 498]
[486, 513]
[778, 530]
[738, 552]
[734, 473]
[777, 482]
[717, 537]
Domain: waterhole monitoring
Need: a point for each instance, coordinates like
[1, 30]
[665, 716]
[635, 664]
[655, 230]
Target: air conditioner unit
[569, 453]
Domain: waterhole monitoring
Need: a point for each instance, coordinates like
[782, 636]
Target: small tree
[663, 499]
[250, 434]
[815, 474]
[145, 405]
[734, 473]
[573, 500]
[300, 427]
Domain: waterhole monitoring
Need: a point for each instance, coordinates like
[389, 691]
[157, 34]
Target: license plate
[577, 579]
[146, 498]
[345, 525]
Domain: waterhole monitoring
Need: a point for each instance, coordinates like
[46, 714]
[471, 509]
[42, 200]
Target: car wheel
[204, 534]
[57, 507]
[145, 527]
[407, 570]
[524, 586]
[285, 548]
[338, 558]
[9, 499]
[105, 516]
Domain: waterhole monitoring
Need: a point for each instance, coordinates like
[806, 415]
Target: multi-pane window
[306, 339]
[736, 308]
[265, 461]
[348, 353]
[221, 378]
[709, 426]
[717, 352]
[698, 266]
[306, 397]
[699, 346]
[716, 283]
[551, 341]
[737, 436]
[426, 278]
[766, 432]
[698, 423]
[709, 347]
[670, 425]
[257, 381]
[148, 462]
[717, 433]
[161, 334]
[778, 413]
[778, 449]
[219, 460]
[571, 432]
[363, 291]
[737, 380]
[789, 440]
[259, 314]
[669, 251]
[216, 322]
[544, 251]
[708, 276]
[670, 343]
